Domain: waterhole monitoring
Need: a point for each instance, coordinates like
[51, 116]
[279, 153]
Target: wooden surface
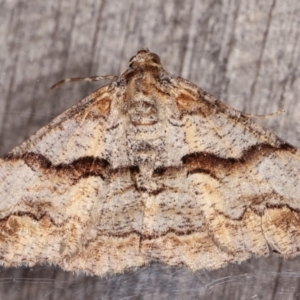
[246, 53]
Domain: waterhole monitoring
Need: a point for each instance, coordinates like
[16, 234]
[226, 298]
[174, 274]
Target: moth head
[144, 57]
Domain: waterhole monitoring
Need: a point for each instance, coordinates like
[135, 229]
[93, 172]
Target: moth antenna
[92, 78]
[265, 116]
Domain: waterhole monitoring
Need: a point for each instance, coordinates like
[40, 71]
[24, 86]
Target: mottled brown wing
[59, 203]
[85, 122]
[241, 194]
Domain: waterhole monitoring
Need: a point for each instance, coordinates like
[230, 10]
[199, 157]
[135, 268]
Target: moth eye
[155, 58]
[131, 65]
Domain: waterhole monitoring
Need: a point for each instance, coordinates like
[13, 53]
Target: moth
[148, 168]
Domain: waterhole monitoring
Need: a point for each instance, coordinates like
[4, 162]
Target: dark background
[246, 53]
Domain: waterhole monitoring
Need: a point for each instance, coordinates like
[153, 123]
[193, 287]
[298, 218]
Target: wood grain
[245, 53]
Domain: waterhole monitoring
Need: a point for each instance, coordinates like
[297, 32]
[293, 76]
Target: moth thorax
[143, 112]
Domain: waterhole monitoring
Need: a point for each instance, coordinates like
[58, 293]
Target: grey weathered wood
[246, 53]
